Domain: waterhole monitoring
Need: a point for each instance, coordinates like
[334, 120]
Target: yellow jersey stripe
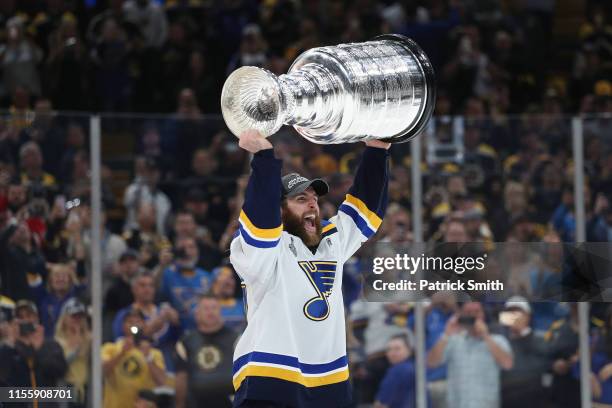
[260, 232]
[328, 227]
[289, 375]
[369, 215]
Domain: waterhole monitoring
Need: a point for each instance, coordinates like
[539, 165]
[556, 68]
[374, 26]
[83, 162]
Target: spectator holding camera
[204, 365]
[144, 238]
[161, 322]
[474, 359]
[17, 256]
[30, 360]
[131, 364]
[524, 380]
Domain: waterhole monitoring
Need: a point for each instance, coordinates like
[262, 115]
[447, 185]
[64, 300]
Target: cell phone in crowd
[466, 321]
[26, 328]
[508, 318]
[60, 202]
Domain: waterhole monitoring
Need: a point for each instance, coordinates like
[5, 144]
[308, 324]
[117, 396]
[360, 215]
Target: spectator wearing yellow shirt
[131, 364]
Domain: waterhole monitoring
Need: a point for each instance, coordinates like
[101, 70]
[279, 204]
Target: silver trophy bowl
[381, 89]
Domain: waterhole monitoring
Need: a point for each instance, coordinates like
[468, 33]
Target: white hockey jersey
[293, 350]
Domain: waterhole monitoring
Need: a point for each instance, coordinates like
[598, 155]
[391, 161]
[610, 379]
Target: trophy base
[252, 99]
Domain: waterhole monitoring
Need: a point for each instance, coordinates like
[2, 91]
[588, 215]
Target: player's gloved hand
[253, 141]
[378, 143]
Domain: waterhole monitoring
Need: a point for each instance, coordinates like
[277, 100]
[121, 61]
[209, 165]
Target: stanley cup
[381, 89]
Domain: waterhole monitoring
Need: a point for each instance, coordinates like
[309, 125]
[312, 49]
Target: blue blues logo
[321, 275]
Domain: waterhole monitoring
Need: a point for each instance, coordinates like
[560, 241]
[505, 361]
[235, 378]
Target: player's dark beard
[294, 225]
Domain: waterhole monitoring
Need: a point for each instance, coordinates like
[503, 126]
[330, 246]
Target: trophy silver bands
[381, 89]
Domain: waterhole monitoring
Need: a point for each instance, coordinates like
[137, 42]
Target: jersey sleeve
[254, 250]
[361, 213]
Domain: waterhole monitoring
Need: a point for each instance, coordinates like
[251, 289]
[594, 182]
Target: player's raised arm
[254, 251]
[363, 209]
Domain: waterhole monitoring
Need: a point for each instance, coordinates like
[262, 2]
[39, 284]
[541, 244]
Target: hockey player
[293, 351]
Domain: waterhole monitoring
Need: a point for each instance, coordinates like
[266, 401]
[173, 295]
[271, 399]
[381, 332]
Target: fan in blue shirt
[183, 283]
[397, 389]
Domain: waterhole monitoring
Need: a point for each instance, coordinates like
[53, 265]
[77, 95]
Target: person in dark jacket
[523, 382]
[18, 258]
[30, 360]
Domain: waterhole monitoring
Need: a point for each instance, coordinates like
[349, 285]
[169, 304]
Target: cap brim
[319, 186]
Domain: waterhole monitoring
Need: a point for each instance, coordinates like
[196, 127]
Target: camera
[138, 334]
[467, 321]
[26, 328]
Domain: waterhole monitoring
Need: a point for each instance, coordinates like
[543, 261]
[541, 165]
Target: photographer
[161, 321]
[32, 361]
[131, 364]
[524, 380]
[474, 358]
[18, 257]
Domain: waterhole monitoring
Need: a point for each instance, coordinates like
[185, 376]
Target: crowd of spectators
[138, 55]
[502, 172]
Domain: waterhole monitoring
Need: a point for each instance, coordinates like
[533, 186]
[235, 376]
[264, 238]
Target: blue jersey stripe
[255, 242]
[287, 393]
[288, 361]
[359, 221]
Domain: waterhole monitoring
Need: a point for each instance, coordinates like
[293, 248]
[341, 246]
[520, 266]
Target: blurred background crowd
[497, 167]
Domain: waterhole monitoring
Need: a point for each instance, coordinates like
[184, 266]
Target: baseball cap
[129, 254]
[73, 306]
[27, 304]
[294, 184]
[518, 302]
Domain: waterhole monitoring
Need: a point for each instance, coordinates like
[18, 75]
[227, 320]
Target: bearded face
[301, 218]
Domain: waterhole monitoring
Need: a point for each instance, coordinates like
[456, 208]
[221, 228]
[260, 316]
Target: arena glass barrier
[197, 164]
[596, 146]
[505, 187]
[50, 221]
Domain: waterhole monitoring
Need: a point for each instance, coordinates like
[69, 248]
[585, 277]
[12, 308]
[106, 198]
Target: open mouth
[310, 224]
